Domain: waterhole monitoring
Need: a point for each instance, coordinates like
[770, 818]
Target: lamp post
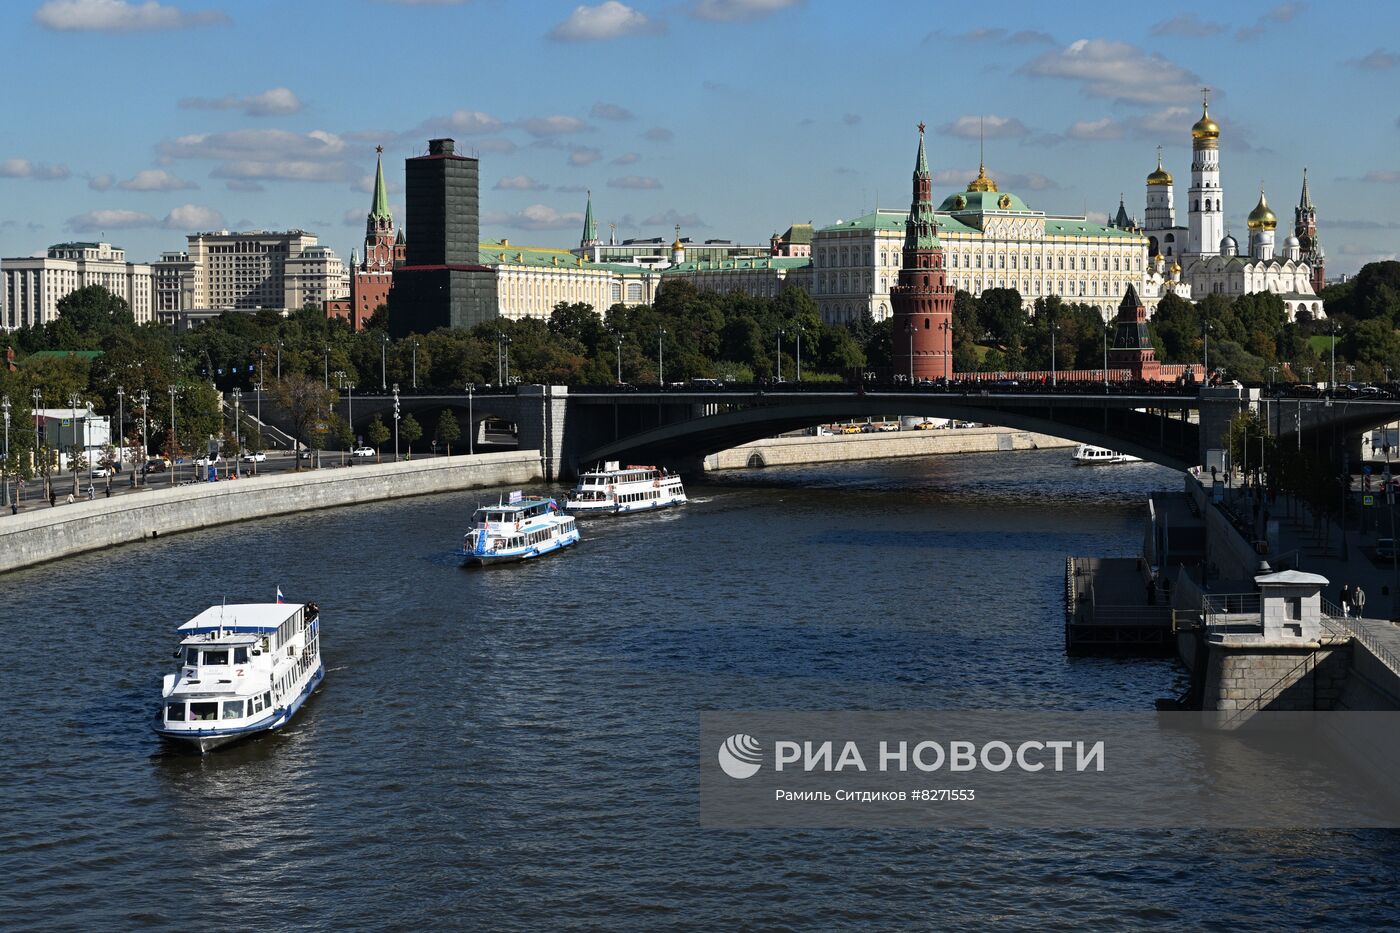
[260, 421]
[1351, 373]
[5, 473]
[121, 423]
[617, 337]
[1054, 379]
[144, 399]
[396, 422]
[1332, 386]
[72, 461]
[780, 354]
[507, 356]
[1107, 329]
[279, 361]
[1273, 371]
[660, 359]
[237, 437]
[326, 367]
[1205, 349]
[415, 364]
[171, 443]
[909, 331]
[799, 354]
[384, 362]
[471, 423]
[350, 412]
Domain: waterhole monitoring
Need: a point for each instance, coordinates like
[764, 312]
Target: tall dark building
[441, 283]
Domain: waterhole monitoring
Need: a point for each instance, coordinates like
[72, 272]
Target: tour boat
[612, 490]
[1089, 454]
[518, 529]
[244, 670]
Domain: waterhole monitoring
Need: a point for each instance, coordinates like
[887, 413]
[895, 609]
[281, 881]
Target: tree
[305, 403]
[377, 434]
[448, 430]
[410, 430]
[77, 462]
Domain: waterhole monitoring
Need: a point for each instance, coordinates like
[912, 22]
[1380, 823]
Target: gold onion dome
[981, 182]
[1161, 176]
[1261, 218]
[1205, 127]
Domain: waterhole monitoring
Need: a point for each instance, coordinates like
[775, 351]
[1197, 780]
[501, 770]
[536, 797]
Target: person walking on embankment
[1358, 601]
[1346, 600]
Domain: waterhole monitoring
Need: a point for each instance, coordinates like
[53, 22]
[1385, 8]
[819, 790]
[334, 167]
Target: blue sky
[147, 119]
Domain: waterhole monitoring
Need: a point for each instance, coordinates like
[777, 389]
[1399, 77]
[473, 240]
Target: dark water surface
[515, 748]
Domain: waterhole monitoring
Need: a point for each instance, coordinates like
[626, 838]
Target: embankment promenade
[831, 448]
[44, 534]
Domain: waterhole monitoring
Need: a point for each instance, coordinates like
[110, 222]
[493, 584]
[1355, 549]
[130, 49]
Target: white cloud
[495, 144]
[38, 171]
[263, 154]
[727, 11]
[279, 100]
[627, 158]
[606, 111]
[519, 183]
[458, 122]
[670, 217]
[658, 134]
[1187, 24]
[993, 126]
[101, 182]
[120, 16]
[193, 217]
[98, 221]
[544, 127]
[534, 217]
[1379, 60]
[1276, 16]
[1012, 181]
[282, 170]
[1107, 128]
[243, 184]
[995, 34]
[1117, 71]
[155, 179]
[638, 182]
[608, 20]
[584, 155]
[1384, 176]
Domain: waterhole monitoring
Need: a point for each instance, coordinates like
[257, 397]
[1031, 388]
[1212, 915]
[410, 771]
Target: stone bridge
[679, 426]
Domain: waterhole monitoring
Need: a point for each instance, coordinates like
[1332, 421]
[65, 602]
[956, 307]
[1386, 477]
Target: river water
[515, 748]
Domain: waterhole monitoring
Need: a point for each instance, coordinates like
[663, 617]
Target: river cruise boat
[519, 529]
[1088, 455]
[610, 489]
[244, 670]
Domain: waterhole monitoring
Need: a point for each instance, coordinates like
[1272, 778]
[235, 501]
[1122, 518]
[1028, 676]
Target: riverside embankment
[794, 451]
[48, 533]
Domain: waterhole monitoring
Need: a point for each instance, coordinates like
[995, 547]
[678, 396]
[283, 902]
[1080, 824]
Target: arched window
[926, 325]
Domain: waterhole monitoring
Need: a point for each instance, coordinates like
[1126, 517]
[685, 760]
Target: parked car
[155, 466]
[254, 456]
[207, 460]
[362, 452]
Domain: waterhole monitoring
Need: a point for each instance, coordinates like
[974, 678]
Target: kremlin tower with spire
[922, 301]
[372, 274]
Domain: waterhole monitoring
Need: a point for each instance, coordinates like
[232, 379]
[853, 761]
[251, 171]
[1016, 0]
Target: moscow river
[516, 748]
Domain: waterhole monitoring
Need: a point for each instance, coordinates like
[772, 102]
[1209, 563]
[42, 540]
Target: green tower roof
[380, 208]
[590, 226]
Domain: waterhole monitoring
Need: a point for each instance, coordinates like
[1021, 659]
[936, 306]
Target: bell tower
[922, 301]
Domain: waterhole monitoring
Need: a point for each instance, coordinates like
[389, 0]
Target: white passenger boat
[519, 529]
[244, 669]
[1088, 454]
[612, 490]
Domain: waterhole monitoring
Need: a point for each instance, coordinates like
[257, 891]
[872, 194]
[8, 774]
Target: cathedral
[1206, 259]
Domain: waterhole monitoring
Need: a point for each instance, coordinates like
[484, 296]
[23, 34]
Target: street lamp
[471, 423]
[660, 359]
[1054, 379]
[237, 438]
[326, 367]
[171, 443]
[415, 364]
[1205, 349]
[279, 361]
[73, 401]
[1333, 384]
[1273, 371]
[396, 422]
[350, 412]
[383, 362]
[909, 329]
[617, 336]
[145, 400]
[1107, 330]
[121, 424]
[507, 356]
[799, 354]
[5, 472]
[780, 354]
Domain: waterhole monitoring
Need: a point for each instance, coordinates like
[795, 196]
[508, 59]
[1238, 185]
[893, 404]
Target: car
[254, 456]
[362, 452]
[155, 466]
[104, 471]
[206, 460]
[925, 426]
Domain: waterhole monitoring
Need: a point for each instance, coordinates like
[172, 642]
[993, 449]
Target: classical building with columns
[34, 285]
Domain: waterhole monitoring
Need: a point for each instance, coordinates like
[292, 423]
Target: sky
[138, 121]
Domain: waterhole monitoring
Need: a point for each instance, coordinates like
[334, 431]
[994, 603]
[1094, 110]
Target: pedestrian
[14, 507]
[109, 491]
[53, 499]
[1346, 599]
[69, 500]
[92, 493]
[1358, 601]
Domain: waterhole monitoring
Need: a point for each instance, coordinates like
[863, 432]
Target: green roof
[982, 202]
[380, 208]
[798, 234]
[88, 355]
[948, 223]
[505, 253]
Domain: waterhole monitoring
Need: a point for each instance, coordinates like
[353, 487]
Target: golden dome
[1160, 176]
[1261, 218]
[678, 244]
[981, 182]
[1176, 268]
[1205, 130]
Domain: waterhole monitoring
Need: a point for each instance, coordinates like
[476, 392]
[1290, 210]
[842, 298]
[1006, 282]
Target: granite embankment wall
[785, 451]
[44, 534]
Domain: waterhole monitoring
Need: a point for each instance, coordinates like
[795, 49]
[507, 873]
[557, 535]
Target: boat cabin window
[174, 712]
[202, 711]
[192, 657]
[233, 709]
[267, 700]
[217, 656]
[240, 655]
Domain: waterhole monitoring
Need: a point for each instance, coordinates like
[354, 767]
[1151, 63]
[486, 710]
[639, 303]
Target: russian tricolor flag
[280, 597]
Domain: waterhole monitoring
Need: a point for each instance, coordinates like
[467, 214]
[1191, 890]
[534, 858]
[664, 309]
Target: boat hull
[474, 559]
[207, 740]
[624, 508]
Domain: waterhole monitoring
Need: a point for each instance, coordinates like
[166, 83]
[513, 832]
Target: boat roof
[241, 617]
[515, 506]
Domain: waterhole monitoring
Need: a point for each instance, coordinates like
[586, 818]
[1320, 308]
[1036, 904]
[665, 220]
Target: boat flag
[280, 597]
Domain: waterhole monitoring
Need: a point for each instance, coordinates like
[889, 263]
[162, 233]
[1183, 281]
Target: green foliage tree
[305, 404]
[448, 430]
[410, 431]
[377, 434]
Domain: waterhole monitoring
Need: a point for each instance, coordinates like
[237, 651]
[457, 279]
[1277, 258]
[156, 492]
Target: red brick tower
[372, 277]
[1132, 344]
[922, 299]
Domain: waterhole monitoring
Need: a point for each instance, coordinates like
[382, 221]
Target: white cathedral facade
[1202, 258]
